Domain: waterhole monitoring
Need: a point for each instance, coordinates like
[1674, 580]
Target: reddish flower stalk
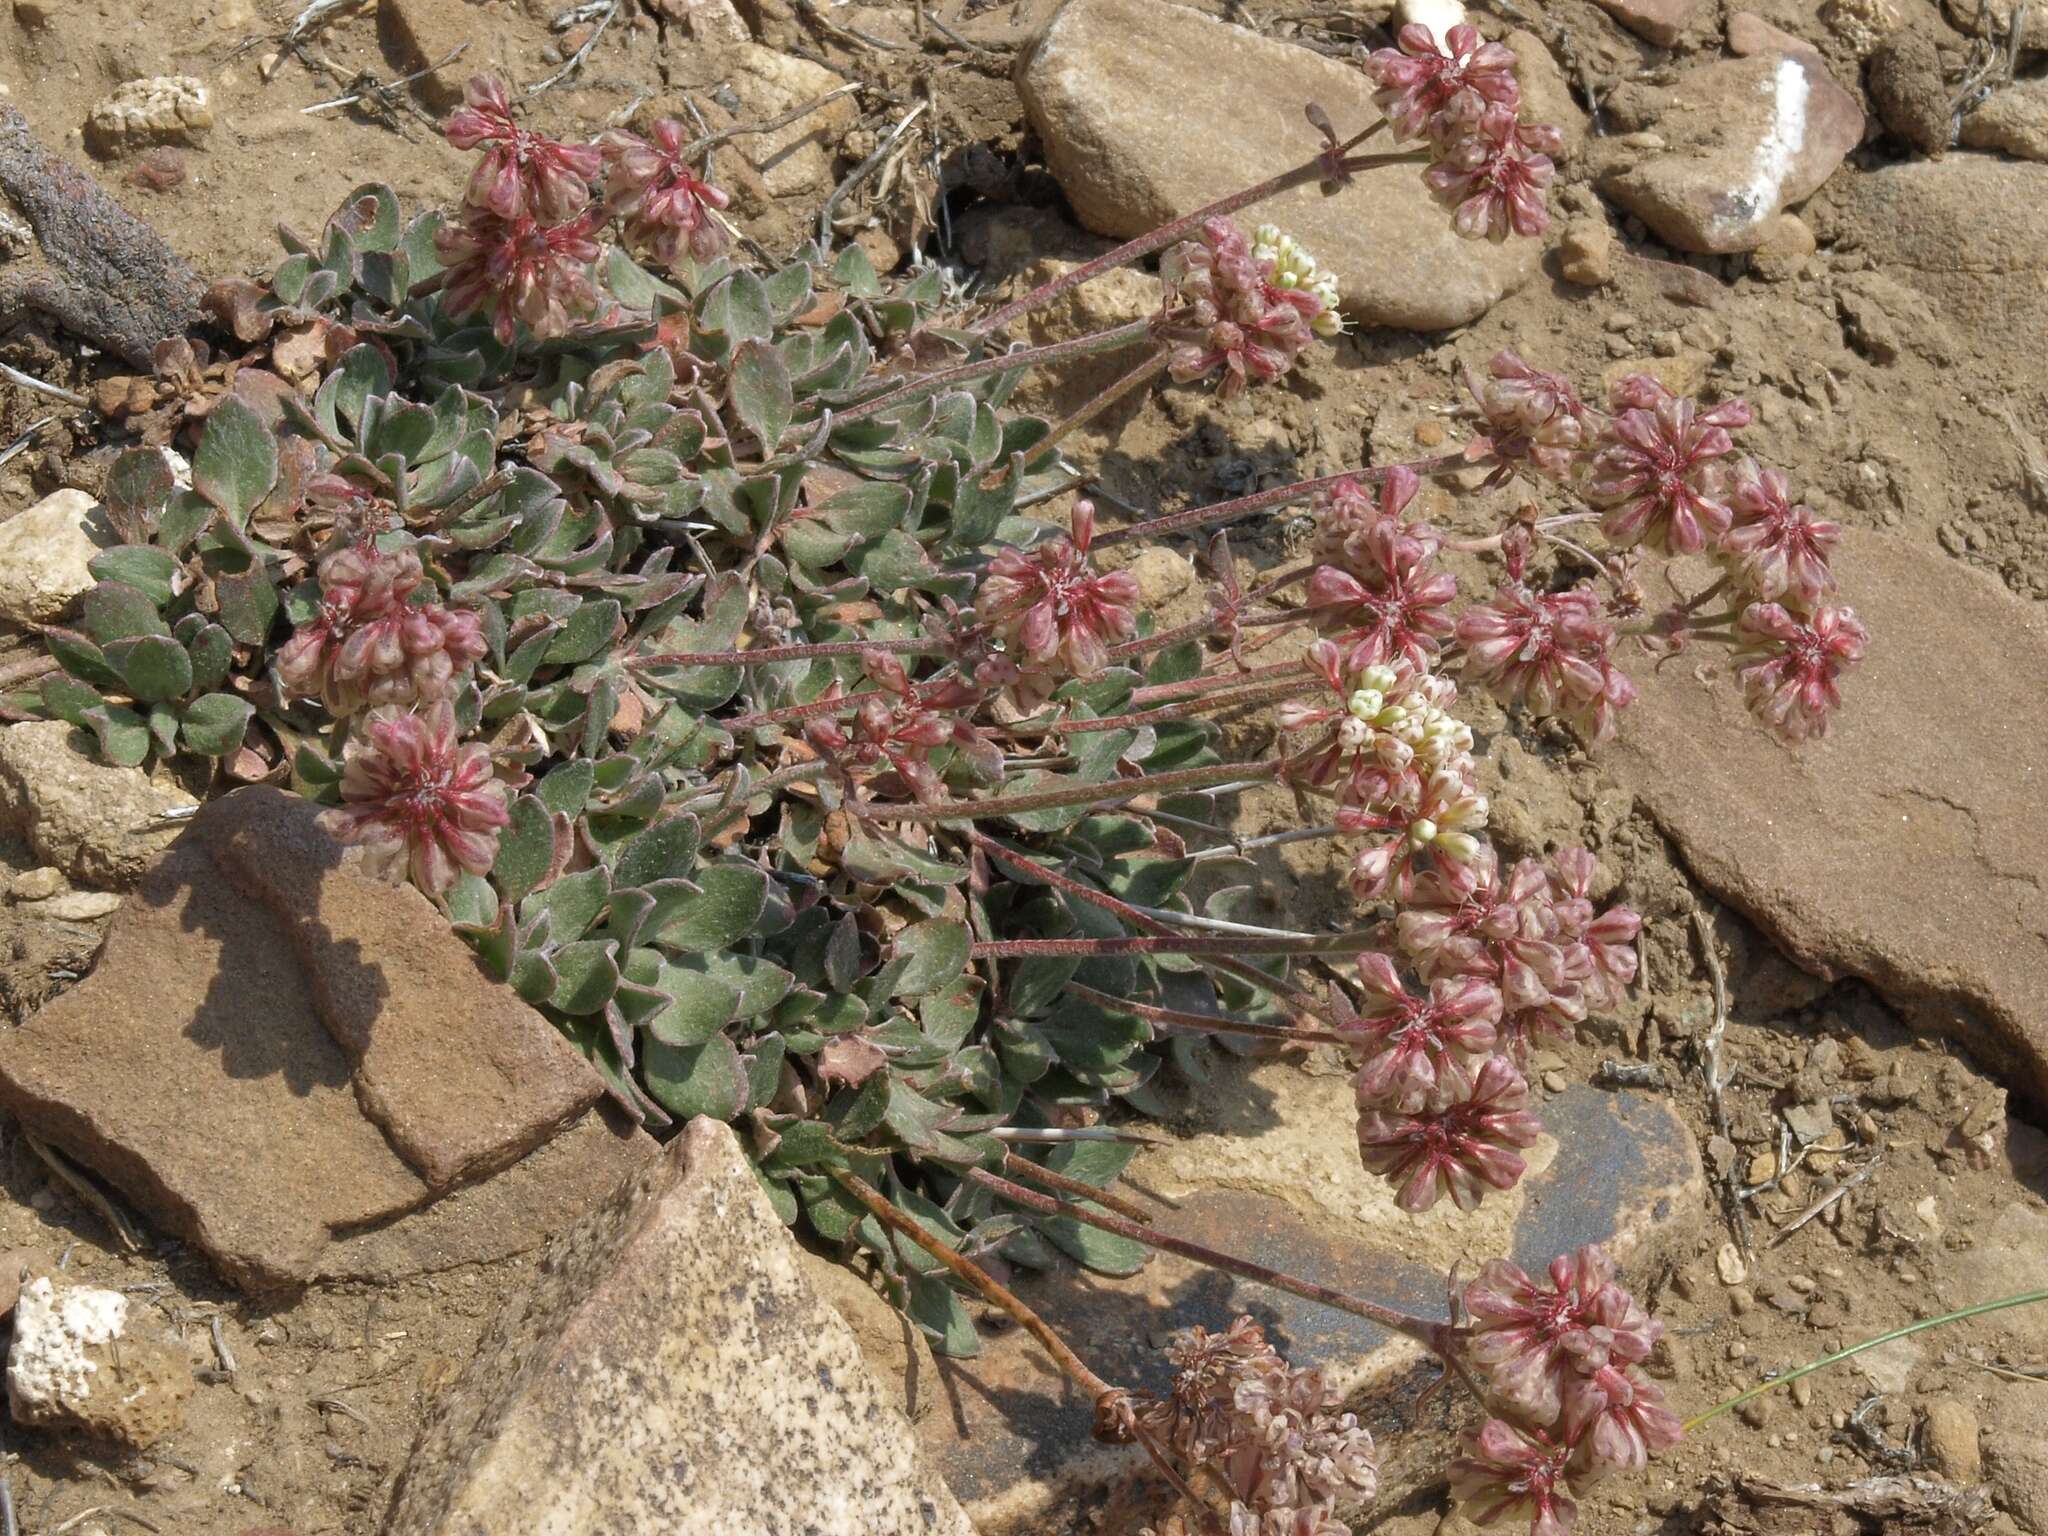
[409, 789]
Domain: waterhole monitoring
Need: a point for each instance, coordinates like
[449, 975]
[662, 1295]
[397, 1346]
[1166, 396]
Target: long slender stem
[983, 1282]
[1024, 1168]
[1316, 169]
[1206, 1022]
[1104, 398]
[1244, 698]
[1116, 791]
[1176, 944]
[2025, 1299]
[1434, 1336]
[1209, 682]
[1280, 495]
[764, 655]
[1004, 362]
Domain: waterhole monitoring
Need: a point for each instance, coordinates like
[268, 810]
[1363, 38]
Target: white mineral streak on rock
[1779, 150]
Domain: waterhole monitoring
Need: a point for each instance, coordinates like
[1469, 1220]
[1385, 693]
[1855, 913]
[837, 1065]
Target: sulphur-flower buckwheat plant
[735, 668]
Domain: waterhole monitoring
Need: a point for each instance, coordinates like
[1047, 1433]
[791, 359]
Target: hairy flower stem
[1209, 682]
[1280, 495]
[1320, 168]
[1439, 1338]
[1206, 1022]
[1104, 398]
[1024, 1168]
[1178, 944]
[764, 655]
[1022, 357]
[1115, 792]
[1286, 992]
[986, 1284]
[1245, 699]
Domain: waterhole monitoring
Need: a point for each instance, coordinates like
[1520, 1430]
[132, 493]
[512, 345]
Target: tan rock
[96, 821]
[195, 1069]
[654, 1379]
[421, 34]
[1993, 19]
[167, 109]
[1807, 841]
[1546, 94]
[86, 1359]
[896, 1352]
[1585, 255]
[1749, 33]
[2017, 1465]
[37, 884]
[2014, 119]
[1950, 1435]
[78, 906]
[44, 554]
[1126, 96]
[1907, 80]
[795, 160]
[1661, 22]
[1286, 1187]
[1788, 245]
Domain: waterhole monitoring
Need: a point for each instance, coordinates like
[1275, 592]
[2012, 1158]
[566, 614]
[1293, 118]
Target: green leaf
[213, 723]
[123, 734]
[526, 849]
[761, 393]
[586, 976]
[147, 569]
[664, 851]
[138, 484]
[1106, 1253]
[113, 610]
[185, 516]
[154, 668]
[758, 984]
[248, 604]
[370, 215]
[692, 1080]
[741, 310]
[566, 789]
[724, 912]
[571, 903]
[80, 657]
[212, 653]
[589, 631]
[938, 953]
[700, 1005]
[937, 1308]
[235, 464]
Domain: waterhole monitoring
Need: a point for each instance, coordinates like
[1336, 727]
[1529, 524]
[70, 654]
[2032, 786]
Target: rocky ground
[1852, 940]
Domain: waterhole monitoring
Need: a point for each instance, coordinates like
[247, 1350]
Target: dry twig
[1710, 1066]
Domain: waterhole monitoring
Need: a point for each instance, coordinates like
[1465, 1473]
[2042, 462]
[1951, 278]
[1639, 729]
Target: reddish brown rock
[1735, 144]
[461, 1074]
[1661, 22]
[1908, 847]
[193, 1070]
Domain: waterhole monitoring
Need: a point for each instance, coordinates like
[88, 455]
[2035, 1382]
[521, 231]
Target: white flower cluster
[1293, 267]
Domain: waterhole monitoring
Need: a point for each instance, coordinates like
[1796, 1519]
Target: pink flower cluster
[1565, 1360]
[1055, 614]
[370, 643]
[1664, 472]
[523, 247]
[1463, 100]
[412, 792]
[1443, 1108]
[898, 725]
[669, 210]
[1223, 311]
[1379, 593]
[1534, 936]
[1384, 743]
[1273, 1439]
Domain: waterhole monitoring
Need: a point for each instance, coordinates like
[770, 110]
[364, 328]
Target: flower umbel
[1438, 93]
[521, 172]
[409, 788]
[1053, 611]
[1294, 268]
[370, 643]
[519, 270]
[669, 210]
[1790, 666]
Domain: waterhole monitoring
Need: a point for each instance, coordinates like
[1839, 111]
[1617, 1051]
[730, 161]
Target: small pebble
[1740, 1300]
[1429, 434]
[1730, 1265]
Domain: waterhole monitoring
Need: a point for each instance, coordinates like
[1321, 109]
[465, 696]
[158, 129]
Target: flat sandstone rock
[671, 1372]
[1908, 846]
[197, 1068]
